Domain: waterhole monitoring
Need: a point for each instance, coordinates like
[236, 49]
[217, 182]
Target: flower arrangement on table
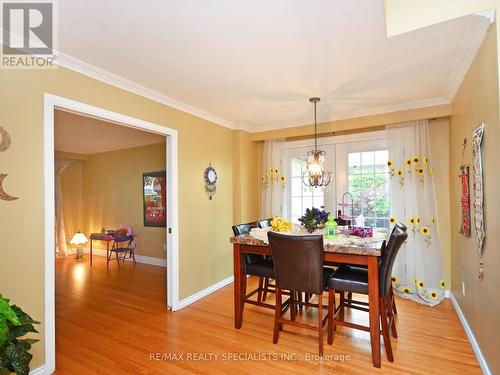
[314, 218]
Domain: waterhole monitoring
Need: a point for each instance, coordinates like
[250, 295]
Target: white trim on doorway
[52, 102]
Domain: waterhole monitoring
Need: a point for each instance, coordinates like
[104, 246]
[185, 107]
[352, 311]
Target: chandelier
[315, 174]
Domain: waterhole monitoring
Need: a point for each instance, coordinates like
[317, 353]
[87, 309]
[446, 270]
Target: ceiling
[85, 135]
[254, 64]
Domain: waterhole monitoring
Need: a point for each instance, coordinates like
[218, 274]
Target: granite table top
[342, 244]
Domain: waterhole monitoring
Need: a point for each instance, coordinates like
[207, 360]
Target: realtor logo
[28, 35]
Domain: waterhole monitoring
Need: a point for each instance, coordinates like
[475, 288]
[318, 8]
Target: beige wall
[205, 225]
[439, 133]
[477, 101]
[106, 191]
[246, 177]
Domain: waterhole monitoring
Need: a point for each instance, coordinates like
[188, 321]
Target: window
[368, 182]
[301, 197]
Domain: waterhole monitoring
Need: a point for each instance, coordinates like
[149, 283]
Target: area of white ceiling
[254, 64]
[86, 135]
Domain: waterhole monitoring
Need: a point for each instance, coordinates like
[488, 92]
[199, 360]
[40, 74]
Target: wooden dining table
[358, 252]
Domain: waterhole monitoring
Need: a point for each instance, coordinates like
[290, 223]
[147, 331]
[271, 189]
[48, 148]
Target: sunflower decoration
[420, 174]
[390, 164]
[426, 232]
[426, 160]
[272, 176]
[394, 279]
[408, 162]
[282, 182]
[264, 181]
[417, 220]
[392, 220]
[420, 283]
[433, 294]
[407, 290]
[415, 160]
[433, 221]
[442, 284]
[414, 221]
[415, 282]
[401, 177]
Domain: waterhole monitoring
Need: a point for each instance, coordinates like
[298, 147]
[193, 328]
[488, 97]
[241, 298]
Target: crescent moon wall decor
[3, 195]
[5, 141]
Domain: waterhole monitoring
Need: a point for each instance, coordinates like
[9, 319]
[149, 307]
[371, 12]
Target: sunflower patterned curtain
[272, 180]
[418, 269]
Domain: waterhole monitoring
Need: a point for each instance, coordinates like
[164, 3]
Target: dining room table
[343, 248]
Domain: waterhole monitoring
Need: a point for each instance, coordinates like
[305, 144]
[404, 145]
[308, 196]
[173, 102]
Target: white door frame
[52, 102]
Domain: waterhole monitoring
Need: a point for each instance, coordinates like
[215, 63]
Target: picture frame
[154, 193]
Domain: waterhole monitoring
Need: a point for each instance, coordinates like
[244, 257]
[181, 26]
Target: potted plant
[14, 351]
[314, 218]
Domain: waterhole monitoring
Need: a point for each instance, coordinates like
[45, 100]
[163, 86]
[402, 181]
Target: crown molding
[471, 43]
[361, 113]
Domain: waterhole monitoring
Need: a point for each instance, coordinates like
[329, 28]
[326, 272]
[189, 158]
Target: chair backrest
[389, 253]
[240, 229]
[298, 262]
[264, 223]
[401, 226]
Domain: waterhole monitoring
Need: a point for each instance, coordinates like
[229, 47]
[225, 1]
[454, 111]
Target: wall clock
[210, 177]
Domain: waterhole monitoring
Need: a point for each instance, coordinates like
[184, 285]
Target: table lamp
[79, 239]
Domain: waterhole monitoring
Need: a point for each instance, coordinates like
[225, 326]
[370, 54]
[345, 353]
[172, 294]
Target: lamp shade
[78, 239]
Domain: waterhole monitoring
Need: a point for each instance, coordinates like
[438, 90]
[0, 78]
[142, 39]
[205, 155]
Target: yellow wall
[477, 101]
[205, 254]
[106, 191]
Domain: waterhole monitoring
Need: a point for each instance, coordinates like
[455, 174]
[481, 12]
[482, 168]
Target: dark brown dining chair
[298, 268]
[349, 300]
[355, 280]
[255, 265]
[266, 223]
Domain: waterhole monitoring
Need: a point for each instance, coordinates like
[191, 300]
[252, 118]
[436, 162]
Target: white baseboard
[203, 293]
[138, 258]
[470, 335]
[42, 370]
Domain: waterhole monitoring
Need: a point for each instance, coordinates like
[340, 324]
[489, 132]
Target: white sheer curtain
[418, 270]
[272, 183]
[61, 249]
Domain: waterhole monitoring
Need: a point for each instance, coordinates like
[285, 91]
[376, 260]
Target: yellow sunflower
[442, 284]
[433, 221]
[425, 231]
[420, 284]
[412, 220]
[282, 178]
[415, 160]
[417, 220]
[407, 290]
[433, 294]
[408, 161]
[394, 279]
[420, 171]
[276, 170]
[263, 179]
[400, 172]
[415, 282]
[390, 163]
[271, 170]
[426, 160]
[392, 220]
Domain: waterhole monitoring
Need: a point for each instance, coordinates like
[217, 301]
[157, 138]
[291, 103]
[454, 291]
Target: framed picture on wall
[155, 199]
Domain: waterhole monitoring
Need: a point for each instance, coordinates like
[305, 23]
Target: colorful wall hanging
[154, 187]
[478, 197]
[210, 178]
[465, 200]
[5, 142]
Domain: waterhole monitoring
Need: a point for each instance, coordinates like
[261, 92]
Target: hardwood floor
[113, 322]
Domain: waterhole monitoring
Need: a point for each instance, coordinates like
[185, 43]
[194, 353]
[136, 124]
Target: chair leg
[261, 286]
[393, 306]
[266, 288]
[117, 259]
[342, 305]
[277, 316]
[385, 329]
[331, 314]
[320, 323]
[293, 311]
[390, 312]
[243, 295]
[349, 297]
